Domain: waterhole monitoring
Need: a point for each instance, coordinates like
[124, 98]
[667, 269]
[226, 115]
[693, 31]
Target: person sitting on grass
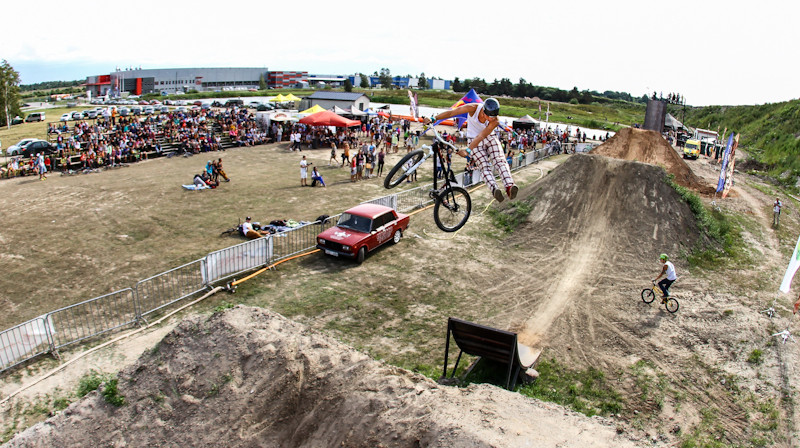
[250, 232]
[316, 177]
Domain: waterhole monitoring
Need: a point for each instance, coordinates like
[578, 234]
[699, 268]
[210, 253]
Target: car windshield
[354, 222]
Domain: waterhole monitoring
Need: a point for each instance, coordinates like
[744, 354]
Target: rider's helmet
[663, 257]
[491, 107]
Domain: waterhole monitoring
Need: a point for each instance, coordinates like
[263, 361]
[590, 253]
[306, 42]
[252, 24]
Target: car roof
[368, 210]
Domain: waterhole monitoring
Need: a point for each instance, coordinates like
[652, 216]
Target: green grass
[586, 391]
[510, 217]
[92, 380]
[723, 237]
[755, 357]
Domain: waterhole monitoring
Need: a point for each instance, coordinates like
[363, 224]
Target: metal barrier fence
[102, 314]
[228, 262]
[92, 317]
[166, 288]
[23, 342]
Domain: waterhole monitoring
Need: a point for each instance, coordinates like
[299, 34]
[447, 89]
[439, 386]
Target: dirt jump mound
[650, 147]
[587, 215]
[250, 378]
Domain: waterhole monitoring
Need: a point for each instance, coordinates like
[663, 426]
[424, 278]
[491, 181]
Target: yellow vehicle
[691, 150]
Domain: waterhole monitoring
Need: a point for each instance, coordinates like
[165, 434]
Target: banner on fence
[584, 147]
[21, 341]
[239, 258]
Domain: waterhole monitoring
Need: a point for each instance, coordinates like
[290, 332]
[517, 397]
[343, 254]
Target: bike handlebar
[438, 137]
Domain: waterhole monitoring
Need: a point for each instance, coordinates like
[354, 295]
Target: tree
[348, 86]
[9, 94]
[423, 81]
[262, 83]
[364, 81]
[385, 78]
[457, 87]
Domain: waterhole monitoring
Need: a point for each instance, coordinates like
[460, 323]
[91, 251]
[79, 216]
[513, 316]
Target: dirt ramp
[622, 206]
[588, 215]
[650, 147]
[251, 378]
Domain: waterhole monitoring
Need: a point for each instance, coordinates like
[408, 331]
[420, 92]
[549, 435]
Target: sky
[712, 53]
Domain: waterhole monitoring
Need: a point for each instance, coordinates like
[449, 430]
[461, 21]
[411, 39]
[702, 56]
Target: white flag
[794, 263]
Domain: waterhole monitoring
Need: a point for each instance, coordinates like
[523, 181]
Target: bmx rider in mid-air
[483, 143]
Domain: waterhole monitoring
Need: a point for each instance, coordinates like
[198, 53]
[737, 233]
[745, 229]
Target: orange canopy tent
[328, 118]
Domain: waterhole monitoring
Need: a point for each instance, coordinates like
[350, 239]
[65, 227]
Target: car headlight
[321, 241]
[347, 248]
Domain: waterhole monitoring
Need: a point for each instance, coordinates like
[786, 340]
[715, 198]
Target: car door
[383, 228]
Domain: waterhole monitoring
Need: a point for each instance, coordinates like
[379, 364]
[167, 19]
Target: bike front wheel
[452, 209]
[648, 295]
[672, 305]
[398, 174]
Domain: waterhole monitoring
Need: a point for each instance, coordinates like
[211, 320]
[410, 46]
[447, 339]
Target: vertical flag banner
[731, 164]
[724, 164]
[794, 263]
[469, 98]
[412, 100]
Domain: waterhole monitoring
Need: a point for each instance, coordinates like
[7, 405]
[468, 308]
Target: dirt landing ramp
[250, 378]
[589, 214]
[650, 147]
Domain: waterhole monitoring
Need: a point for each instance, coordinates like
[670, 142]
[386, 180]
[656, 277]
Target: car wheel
[396, 237]
[362, 253]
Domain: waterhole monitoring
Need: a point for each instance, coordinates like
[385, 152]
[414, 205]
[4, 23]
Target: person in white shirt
[776, 212]
[249, 232]
[484, 145]
[668, 269]
[304, 172]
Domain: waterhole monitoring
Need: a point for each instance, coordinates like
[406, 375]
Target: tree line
[524, 89]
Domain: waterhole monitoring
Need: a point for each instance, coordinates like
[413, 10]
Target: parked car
[90, 113]
[136, 110]
[144, 103]
[197, 103]
[180, 109]
[164, 109]
[75, 115]
[363, 229]
[205, 106]
[65, 117]
[35, 116]
[17, 149]
[234, 102]
[37, 146]
[148, 110]
[124, 111]
[30, 146]
[17, 120]
[265, 107]
[216, 103]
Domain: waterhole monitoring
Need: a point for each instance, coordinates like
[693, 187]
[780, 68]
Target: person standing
[41, 166]
[776, 212]
[381, 156]
[304, 172]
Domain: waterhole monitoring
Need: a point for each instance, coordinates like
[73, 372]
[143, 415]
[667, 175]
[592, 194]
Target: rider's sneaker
[498, 195]
[512, 191]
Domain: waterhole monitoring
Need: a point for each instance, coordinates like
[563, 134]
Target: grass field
[71, 238]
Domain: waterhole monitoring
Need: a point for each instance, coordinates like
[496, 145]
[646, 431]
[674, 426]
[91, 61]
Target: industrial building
[173, 80]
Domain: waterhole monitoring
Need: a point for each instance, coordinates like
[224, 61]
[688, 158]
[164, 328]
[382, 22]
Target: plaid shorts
[489, 154]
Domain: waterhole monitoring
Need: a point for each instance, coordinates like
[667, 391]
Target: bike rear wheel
[648, 295]
[452, 209]
[398, 174]
[672, 305]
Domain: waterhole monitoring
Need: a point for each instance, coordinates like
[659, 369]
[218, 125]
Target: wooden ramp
[493, 344]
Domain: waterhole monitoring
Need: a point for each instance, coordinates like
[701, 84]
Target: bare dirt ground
[567, 280]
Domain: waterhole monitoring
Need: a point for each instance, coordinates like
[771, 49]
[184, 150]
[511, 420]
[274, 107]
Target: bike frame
[437, 156]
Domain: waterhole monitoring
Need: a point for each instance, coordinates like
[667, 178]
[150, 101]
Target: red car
[362, 229]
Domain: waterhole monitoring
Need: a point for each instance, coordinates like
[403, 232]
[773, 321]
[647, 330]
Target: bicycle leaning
[649, 294]
[452, 204]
